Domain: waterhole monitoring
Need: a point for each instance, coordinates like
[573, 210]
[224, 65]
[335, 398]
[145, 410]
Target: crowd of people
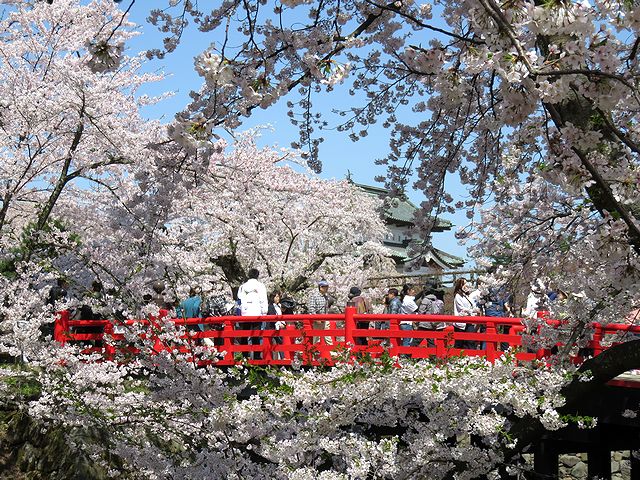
[252, 299]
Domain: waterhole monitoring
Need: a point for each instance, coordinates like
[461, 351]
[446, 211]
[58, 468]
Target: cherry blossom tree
[70, 130]
[80, 162]
[70, 116]
[533, 104]
[259, 207]
[95, 192]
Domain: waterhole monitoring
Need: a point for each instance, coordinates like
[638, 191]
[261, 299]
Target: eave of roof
[402, 211]
[439, 257]
[448, 258]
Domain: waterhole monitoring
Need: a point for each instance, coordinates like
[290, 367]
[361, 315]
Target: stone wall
[30, 451]
[574, 466]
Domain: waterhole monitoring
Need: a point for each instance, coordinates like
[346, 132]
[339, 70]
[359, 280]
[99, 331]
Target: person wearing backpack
[430, 305]
[215, 304]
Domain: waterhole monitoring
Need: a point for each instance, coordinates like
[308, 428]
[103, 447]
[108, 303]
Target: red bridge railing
[299, 341]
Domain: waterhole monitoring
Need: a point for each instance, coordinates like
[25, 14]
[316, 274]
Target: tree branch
[601, 369]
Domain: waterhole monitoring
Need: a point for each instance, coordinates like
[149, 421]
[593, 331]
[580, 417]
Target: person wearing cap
[318, 303]
[362, 305]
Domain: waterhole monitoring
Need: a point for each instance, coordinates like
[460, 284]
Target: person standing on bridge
[537, 301]
[275, 309]
[432, 304]
[159, 297]
[253, 302]
[363, 305]
[497, 302]
[318, 303]
[190, 308]
[409, 306]
[463, 307]
[393, 306]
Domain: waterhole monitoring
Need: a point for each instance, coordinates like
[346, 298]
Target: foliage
[352, 421]
[255, 206]
[533, 105]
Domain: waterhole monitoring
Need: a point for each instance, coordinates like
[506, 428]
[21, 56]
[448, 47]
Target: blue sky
[338, 153]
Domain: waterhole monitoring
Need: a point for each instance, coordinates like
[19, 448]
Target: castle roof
[402, 211]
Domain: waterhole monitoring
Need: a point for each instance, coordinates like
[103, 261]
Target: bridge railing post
[267, 347]
[109, 348]
[308, 340]
[349, 324]
[228, 341]
[155, 328]
[286, 342]
[490, 343]
[598, 334]
[61, 327]
[442, 344]
[542, 352]
[394, 336]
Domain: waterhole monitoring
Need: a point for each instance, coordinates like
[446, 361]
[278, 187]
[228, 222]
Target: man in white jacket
[253, 296]
[253, 302]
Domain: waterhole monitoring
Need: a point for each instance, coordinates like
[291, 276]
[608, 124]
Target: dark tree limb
[600, 370]
[301, 280]
[600, 193]
[233, 270]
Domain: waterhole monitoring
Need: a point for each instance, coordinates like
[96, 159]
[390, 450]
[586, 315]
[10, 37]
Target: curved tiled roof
[402, 211]
[440, 257]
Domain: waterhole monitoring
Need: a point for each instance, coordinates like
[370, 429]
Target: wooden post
[599, 462]
[61, 327]
[227, 341]
[267, 347]
[597, 338]
[542, 352]
[635, 464]
[545, 459]
[109, 348]
[394, 341]
[443, 345]
[154, 328]
[349, 324]
[286, 342]
[308, 340]
[490, 345]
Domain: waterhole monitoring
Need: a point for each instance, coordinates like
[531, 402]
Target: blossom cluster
[534, 106]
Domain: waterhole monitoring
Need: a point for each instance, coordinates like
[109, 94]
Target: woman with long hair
[463, 307]
[274, 308]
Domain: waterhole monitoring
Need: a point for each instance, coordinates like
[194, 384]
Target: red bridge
[299, 341]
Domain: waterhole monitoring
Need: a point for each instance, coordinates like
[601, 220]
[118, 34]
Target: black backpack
[215, 306]
[288, 305]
